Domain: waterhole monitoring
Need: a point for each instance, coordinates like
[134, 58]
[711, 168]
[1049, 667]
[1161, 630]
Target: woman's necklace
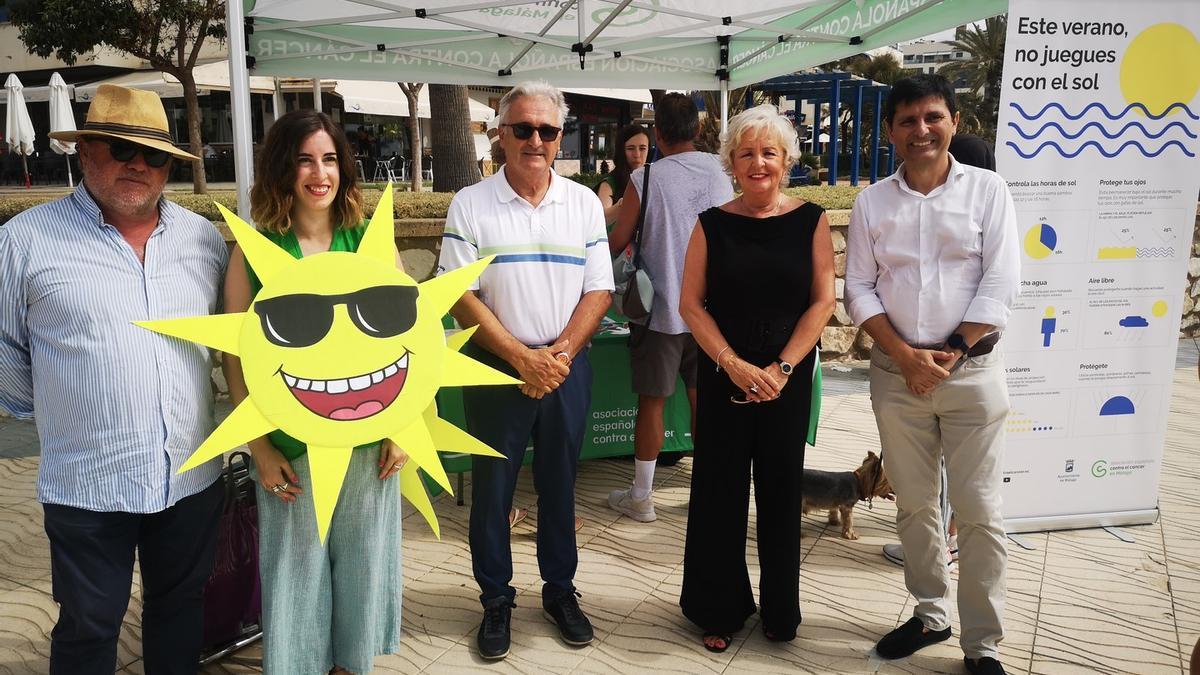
[753, 213]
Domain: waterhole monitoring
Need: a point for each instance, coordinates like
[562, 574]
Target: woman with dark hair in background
[329, 608]
[633, 147]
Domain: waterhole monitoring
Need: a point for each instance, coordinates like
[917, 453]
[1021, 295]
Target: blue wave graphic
[1109, 115]
[1106, 132]
[1099, 148]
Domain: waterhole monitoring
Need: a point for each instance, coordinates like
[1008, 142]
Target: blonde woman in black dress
[757, 291]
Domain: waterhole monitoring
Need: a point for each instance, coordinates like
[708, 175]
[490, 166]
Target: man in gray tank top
[683, 183]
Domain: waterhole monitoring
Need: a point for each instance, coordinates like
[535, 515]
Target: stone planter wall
[1190, 325]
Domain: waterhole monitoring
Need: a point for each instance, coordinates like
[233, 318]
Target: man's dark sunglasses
[304, 319]
[124, 151]
[524, 130]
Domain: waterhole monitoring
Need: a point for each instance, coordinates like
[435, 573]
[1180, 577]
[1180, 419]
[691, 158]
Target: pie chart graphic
[1040, 241]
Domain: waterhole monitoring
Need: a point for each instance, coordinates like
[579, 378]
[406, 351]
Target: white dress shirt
[931, 262]
[547, 256]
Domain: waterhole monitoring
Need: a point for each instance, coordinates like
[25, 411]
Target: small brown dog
[839, 491]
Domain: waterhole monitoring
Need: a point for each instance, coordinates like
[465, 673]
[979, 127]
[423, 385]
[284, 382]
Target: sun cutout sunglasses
[304, 319]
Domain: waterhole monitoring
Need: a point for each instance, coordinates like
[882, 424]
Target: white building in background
[931, 57]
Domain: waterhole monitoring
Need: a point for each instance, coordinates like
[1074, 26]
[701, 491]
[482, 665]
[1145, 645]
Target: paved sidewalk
[1079, 602]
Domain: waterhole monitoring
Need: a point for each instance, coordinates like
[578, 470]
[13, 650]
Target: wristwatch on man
[784, 367]
[957, 341]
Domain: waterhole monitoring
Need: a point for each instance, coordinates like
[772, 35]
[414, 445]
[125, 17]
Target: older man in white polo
[537, 306]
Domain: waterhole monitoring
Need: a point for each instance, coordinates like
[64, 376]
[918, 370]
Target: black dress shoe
[983, 666]
[495, 633]
[908, 638]
[562, 609]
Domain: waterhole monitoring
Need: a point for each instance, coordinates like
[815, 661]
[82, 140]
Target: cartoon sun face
[340, 350]
[334, 353]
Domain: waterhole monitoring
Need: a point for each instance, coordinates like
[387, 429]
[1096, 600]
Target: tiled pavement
[1079, 602]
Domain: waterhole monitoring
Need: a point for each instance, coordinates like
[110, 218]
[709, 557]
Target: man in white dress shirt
[931, 274]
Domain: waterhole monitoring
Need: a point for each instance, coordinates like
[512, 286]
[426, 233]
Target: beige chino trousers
[963, 420]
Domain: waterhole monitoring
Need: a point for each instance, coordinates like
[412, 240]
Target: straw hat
[129, 114]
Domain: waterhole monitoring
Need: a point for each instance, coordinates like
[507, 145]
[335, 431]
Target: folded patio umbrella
[62, 118]
[18, 128]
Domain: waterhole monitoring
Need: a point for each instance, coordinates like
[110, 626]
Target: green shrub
[411, 204]
[830, 197]
[11, 206]
[404, 204]
[590, 179]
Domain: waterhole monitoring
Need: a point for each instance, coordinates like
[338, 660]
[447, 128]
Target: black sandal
[727, 639]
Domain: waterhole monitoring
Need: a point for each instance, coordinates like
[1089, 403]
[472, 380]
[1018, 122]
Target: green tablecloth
[614, 405]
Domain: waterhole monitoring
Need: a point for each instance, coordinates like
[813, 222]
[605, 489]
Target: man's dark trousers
[91, 557]
[506, 419]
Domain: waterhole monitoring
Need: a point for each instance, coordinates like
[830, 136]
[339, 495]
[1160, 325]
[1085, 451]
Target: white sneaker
[641, 510]
[894, 553]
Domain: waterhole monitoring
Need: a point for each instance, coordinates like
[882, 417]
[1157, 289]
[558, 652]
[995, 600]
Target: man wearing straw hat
[118, 409]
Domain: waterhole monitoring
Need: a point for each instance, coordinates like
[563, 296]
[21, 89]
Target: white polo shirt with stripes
[547, 256]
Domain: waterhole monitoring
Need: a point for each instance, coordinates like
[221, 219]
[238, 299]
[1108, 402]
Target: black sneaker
[983, 666]
[563, 611]
[908, 639]
[495, 633]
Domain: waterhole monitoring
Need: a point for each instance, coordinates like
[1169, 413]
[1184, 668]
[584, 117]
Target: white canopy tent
[386, 98]
[668, 44]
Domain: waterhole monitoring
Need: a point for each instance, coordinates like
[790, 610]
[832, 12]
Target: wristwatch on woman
[784, 367]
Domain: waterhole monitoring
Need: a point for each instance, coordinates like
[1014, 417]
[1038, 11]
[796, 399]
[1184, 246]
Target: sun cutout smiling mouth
[351, 398]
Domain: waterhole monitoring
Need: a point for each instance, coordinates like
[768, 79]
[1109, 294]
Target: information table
[614, 406]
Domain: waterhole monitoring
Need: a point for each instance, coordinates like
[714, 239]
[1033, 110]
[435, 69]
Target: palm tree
[710, 124]
[411, 91]
[453, 146]
[982, 71]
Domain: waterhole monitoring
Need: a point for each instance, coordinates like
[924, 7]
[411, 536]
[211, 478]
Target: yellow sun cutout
[340, 350]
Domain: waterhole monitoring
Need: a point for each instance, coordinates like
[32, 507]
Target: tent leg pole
[317, 94]
[70, 178]
[277, 104]
[724, 105]
[239, 95]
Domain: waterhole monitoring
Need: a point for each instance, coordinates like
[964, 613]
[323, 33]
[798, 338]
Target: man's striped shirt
[118, 408]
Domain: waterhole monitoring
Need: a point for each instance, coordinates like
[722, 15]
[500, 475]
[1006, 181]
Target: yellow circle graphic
[1159, 309]
[1161, 66]
[1040, 241]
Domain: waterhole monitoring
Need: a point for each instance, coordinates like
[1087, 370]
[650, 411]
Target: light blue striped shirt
[118, 408]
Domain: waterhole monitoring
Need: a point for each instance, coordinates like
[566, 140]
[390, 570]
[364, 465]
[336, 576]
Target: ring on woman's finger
[277, 488]
[754, 389]
[398, 465]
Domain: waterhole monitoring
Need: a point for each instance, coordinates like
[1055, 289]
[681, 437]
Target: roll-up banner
[1098, 140]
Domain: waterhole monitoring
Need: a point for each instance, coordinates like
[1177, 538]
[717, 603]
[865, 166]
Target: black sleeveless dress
[759, 281]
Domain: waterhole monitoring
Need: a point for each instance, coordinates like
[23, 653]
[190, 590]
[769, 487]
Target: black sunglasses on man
[524, 130]
[124, 151]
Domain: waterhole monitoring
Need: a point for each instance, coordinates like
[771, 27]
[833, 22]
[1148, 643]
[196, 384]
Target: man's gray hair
[534, 88]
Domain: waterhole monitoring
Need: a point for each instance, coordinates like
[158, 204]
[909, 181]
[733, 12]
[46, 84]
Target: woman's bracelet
[719, 354]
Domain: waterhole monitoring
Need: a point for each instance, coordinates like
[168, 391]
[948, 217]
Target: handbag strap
[637, 235]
